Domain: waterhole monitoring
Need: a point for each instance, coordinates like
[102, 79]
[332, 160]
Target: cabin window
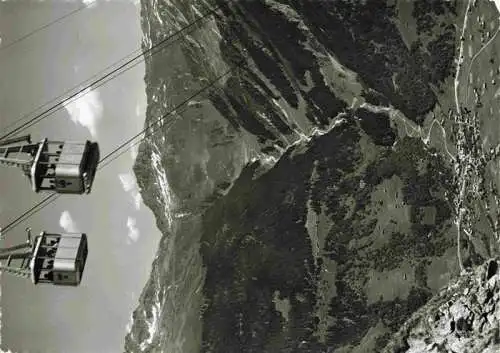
[61, 277]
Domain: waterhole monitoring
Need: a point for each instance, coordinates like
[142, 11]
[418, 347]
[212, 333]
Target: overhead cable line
[41, 28]
[113, 154]
[107, 77]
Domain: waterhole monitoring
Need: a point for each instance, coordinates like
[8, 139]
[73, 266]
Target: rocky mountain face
[307, 202]
[462, 318]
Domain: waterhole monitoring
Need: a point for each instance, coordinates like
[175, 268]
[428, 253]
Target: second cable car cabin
[59, 166]
[50, 258]
[59, 258]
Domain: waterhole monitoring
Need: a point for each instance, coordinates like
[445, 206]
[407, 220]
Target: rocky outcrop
[463, 317]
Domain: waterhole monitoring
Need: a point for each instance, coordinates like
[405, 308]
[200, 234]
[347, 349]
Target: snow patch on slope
[497, 4]
[166, 198]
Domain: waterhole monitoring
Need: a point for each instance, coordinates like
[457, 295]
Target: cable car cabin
[59, 258]
[65, 167]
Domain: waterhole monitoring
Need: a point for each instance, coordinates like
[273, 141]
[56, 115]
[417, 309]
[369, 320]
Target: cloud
[128, 181]
[89, 3]
[130, 323]
[67, 223]
[93, 2]
[133, 231]
[86, 110]
[134, 151]
[130, 186]
[139, 109]
[137, 201]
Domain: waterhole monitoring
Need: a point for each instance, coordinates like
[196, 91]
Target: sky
[122, 235]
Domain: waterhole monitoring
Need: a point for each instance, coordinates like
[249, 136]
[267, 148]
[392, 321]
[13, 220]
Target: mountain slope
[309, 200]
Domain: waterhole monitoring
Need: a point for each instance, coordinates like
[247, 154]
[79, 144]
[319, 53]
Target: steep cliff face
[306, 201]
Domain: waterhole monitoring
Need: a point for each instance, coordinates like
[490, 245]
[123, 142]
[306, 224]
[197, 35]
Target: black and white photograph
[249, 176]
